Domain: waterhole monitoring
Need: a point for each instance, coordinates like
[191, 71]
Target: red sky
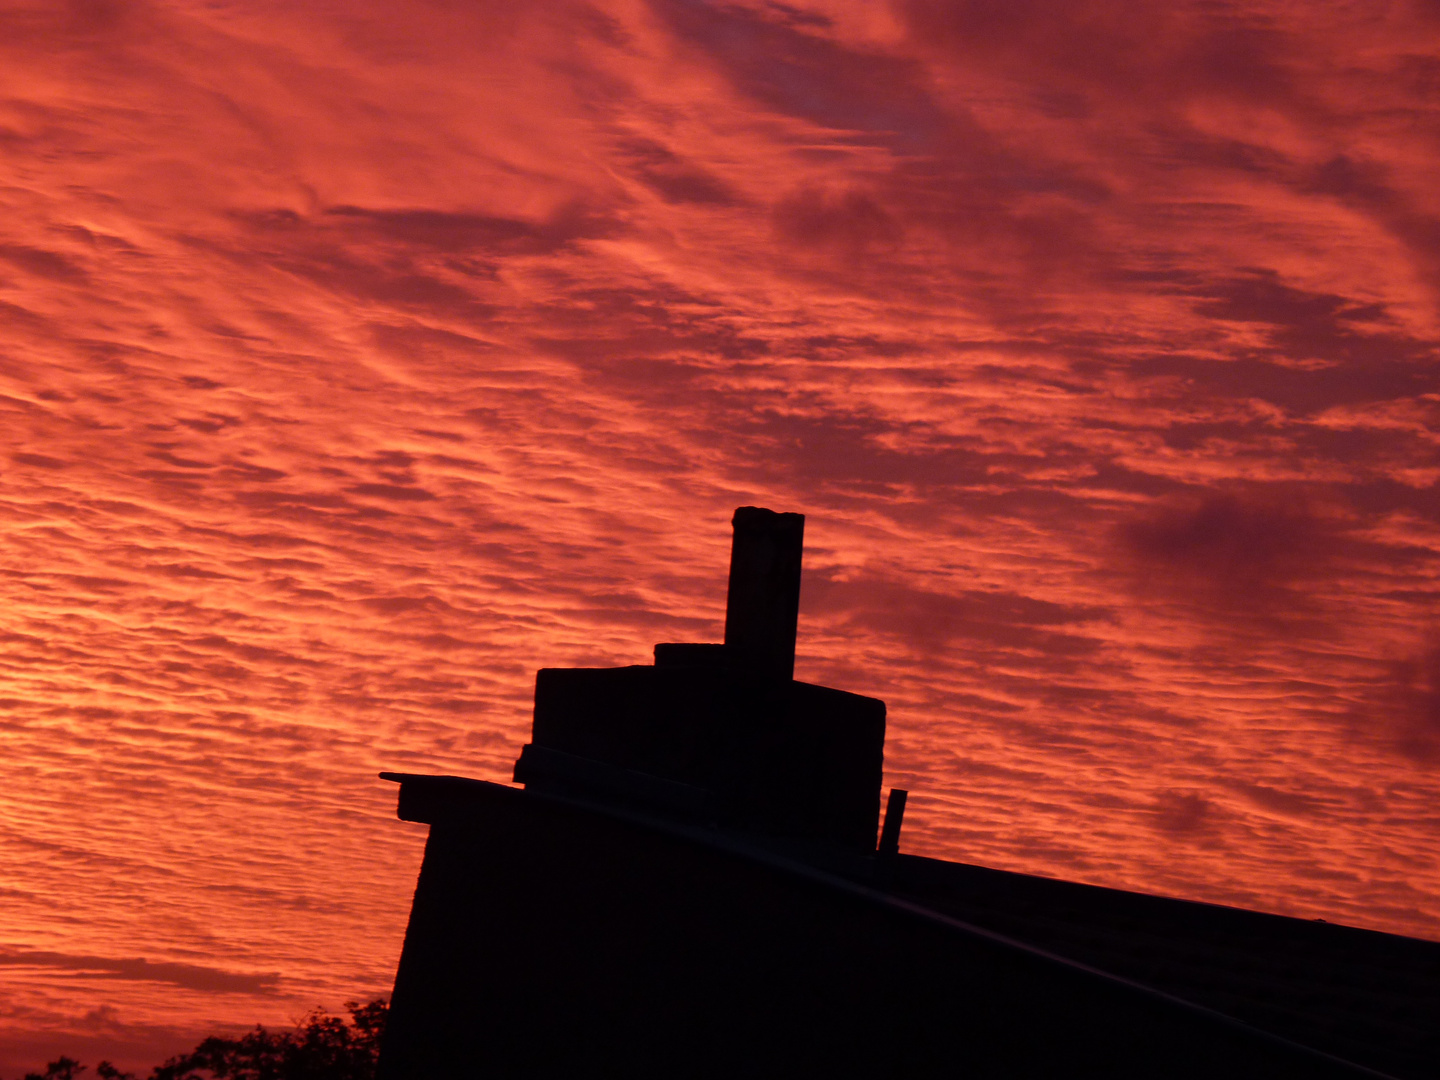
[357, 359]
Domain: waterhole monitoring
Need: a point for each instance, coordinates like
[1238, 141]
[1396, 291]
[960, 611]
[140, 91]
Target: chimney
[763, 605]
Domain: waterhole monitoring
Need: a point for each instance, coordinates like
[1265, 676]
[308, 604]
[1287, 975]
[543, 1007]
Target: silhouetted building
[690, 885]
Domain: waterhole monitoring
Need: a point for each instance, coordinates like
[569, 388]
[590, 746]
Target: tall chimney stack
[763, 605]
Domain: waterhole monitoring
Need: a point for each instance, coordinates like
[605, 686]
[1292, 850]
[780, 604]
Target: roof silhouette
[690, 885]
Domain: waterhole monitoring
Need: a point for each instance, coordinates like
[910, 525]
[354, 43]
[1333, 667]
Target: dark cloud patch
[39, 461]
[1300, 390]
[1371, 188]
[180, 463]
[394, 492]
[1262, 297]
[777, 61]
[443, 436]
[1235, 554]
[394, 285]
[417, 341]
[210, 423]
[1325, 326]
[1009, 225]
[433, 260]
[1182, 813]
[850, 221]
[1113, 476]
[930, 620]
[1376, 447]
[182, 570]
[404, 605]
[96, 584]
[1075, 50]
[187, 976]
[244, 470]
[1404, 707]
[611, 329]
[852, 455]
[825, 346]
[605, 28]
[454, 232]
[1419, 72]
[1384, 495]
[46, 264]
[397, 467]
[1353, 179]
[1182, 144]
[1321, 350]
[255, 654]
[789, 15]
[173, 480]
[1291, 803]
[313, 499]
[1227, 537]
[672, 178]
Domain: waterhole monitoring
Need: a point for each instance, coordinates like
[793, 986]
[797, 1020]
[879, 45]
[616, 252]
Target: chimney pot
[763, 605]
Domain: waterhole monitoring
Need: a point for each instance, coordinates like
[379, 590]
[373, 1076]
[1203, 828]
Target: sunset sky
[359, 358]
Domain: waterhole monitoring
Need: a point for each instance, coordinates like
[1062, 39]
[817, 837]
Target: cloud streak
[185, 976]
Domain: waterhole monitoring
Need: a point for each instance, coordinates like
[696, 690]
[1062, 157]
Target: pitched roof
[1365, 996]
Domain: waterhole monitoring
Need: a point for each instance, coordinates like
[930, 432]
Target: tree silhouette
[321, 1047]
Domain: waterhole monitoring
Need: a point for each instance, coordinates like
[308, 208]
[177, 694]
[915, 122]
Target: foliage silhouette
[322, 1047]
